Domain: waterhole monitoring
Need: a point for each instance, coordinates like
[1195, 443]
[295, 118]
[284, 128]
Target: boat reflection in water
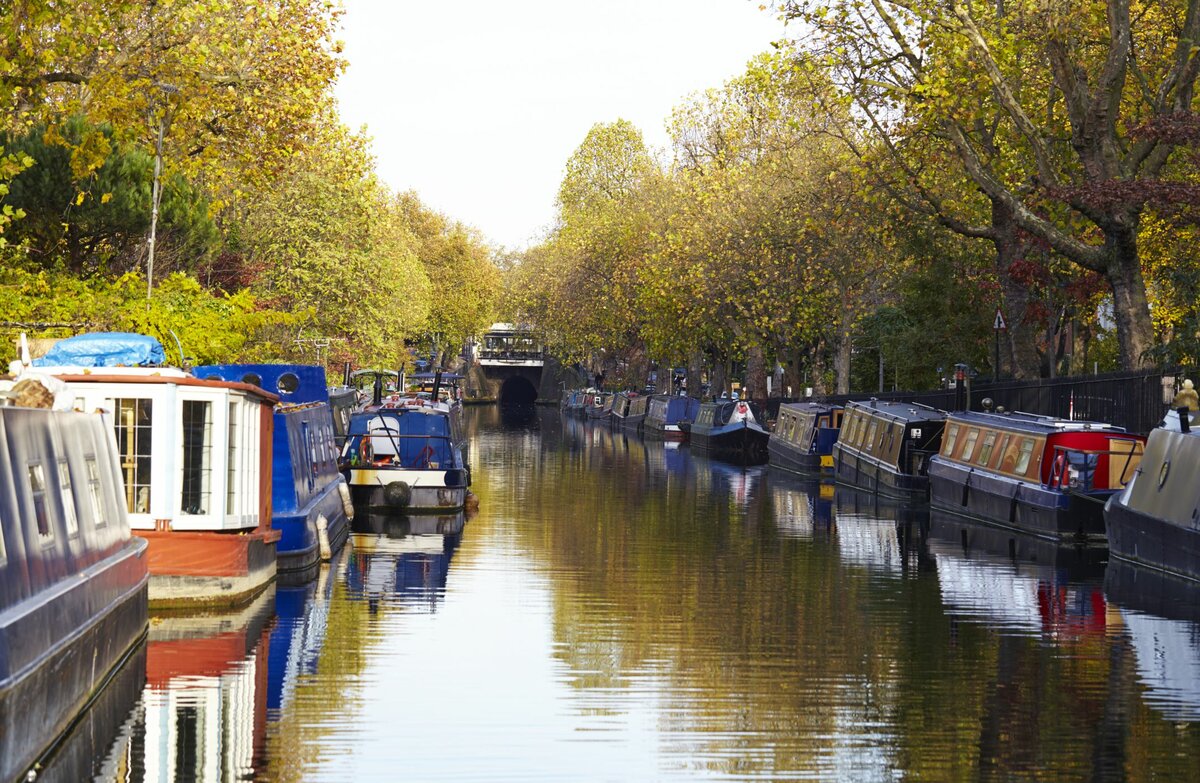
[878, 533]
[301, 620]
[402, 559]
[98, 742]
[203, 713]
[1017, 583]
[803, 507]
[1161, 615]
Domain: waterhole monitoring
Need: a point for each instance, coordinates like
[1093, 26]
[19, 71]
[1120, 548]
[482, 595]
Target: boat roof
[150, 375]
[1029, 422]
[810, 407]
[292, 383]
[897, 411]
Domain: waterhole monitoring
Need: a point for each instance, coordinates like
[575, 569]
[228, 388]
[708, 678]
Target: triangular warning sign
[999, 322]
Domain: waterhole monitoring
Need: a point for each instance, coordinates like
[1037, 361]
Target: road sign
[999, 324]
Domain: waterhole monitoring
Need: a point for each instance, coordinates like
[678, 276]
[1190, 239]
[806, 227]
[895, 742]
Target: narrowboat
[666, 412]
[1039, 475]
[1153, 523]
[598, 406]
[310, 501]
[72, 580]
[635, 413]
[407, 455]
[195, 458]
[885, 447]
[620, 408]
[804, 436]
[727, 428]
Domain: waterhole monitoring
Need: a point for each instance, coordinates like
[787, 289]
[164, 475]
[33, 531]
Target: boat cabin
[886, 446]
[417, 438]
[1054, 453]
[809, 426]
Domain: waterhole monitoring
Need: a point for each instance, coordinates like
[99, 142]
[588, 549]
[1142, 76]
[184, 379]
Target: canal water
[621, 610]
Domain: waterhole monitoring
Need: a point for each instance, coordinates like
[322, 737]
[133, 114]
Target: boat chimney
[437, 384]
[346, 374]
[377, 391]
[1185, 424]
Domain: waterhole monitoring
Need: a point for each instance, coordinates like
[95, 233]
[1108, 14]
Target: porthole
[1162, 473]
[252, 378]
[288, 383]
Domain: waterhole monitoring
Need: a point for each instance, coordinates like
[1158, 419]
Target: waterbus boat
[666, 412]
[72, 580]
[1040, 475]
[310, 500]
[1153, 522]
[727, 428]
[804, 436]
[407, 455]
[632, 413]
[195, 458]
[885, 447]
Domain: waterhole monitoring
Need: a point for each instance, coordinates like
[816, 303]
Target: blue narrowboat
[73, 581]
[1039, 475]
[666, 413]
[310, 503]
[804, 436]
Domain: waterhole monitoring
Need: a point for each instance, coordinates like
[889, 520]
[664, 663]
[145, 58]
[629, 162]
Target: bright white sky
[477, 104]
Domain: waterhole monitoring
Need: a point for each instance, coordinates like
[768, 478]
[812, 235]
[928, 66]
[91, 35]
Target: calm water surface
[621, 610]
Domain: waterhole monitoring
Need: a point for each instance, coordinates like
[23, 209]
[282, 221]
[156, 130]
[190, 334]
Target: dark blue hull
[314, 533]
[747, 445]
[1017, 505]
[1153, 543]
[784, 455]
[878, 477]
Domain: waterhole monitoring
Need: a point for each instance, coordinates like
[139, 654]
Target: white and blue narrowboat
[1155, 521]
[310, 502]
[727, 428]
[666, 412]
[804, 436]
[73, 581]
[1038, 475]
[885, 447]
[407, 454]
[195, 458]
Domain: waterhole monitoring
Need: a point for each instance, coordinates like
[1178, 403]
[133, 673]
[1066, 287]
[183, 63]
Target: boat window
[1004, 454]
[310, 453]
[288, 383]
[985, 451]
[95, 490]
[37, 483]
[969, 444]
[252, 378]
[196, 491]
[948, 443]
[1023, 456]
[70, 516]
[871, 431]
[231, 469]
[132, 428]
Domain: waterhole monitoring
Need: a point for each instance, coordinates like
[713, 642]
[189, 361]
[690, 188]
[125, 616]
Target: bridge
[511, 368]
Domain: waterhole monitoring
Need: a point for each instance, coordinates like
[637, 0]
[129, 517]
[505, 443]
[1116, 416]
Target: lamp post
[156, 190]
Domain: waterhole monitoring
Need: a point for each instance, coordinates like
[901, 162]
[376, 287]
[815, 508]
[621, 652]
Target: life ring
[742, 408]
[1059, 469]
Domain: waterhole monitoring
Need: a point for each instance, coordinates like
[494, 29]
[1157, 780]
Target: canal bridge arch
[518, 389]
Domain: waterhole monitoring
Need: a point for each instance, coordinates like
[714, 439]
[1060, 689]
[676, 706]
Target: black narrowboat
[804, 435]
[73, 581]
[885, 447]
[728, 429]
[1155, 522]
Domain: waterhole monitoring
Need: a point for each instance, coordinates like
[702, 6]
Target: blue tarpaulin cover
[104, 349]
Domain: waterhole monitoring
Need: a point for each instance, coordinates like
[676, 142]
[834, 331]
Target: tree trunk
[792, 362]
[843, 348]
[817, 370]
[695, 374]
[756, 375]
[720, 376]
[1022, 338]
[1131, 307]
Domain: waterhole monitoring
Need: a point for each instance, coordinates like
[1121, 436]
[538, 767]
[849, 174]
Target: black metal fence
[1134, 400]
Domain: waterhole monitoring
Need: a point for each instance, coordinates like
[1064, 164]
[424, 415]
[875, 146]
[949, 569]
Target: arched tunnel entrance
[517, 391]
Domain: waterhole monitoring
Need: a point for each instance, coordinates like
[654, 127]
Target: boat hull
[1016, 505]
[783, 455]
[429, 491]
[201, 569]
[1151, 542]
[631, 423]
[747, 445]
[858, 471]
[60, 650]
[313, 534]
